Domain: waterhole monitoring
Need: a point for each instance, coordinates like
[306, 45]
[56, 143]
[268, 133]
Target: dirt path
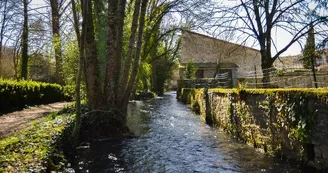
[18, 120]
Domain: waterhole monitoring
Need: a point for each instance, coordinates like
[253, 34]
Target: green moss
[33, 149]
[289, 121]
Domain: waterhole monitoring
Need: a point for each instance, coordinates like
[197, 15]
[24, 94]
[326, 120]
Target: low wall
[296, 79]
[290, 123]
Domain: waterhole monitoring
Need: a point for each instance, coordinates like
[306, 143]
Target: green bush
[15, 94]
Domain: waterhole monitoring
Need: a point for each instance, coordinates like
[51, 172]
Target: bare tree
[2, 29]
[10, 27]
[257, 20]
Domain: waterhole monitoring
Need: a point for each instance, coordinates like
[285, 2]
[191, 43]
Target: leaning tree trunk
[135, 67]
[24, 62]
[129, 54]
[56, 40]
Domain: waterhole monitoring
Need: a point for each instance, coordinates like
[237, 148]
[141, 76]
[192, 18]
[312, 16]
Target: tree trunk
[56, 40]
[81, 41]
[91, 65]
[24, 62]
[116, 14]
[266, 69]
[2, 33]
[135, 67]
[129, 54]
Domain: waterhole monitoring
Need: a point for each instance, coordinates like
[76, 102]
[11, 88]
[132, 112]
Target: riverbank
[289, 123]
[15, 121]
[39, 147]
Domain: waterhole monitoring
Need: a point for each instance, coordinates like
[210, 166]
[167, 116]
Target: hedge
[15, 94]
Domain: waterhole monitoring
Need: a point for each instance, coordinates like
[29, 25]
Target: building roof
[205, 49]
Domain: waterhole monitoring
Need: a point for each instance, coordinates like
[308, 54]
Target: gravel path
[18, 120]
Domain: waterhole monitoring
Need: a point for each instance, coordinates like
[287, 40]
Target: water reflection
[171, 138]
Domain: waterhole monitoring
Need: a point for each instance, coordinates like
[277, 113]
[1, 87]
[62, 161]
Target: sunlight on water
[171, 138]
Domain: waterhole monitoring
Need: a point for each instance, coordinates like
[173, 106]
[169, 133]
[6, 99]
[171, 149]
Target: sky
[282, 38]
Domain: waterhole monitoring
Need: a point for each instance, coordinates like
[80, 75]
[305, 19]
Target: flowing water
[171, 138]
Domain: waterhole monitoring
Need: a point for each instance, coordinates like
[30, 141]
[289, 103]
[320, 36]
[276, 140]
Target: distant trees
[3, 24]
[10, 31]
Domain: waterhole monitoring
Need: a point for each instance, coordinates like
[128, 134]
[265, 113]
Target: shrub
[15, 94]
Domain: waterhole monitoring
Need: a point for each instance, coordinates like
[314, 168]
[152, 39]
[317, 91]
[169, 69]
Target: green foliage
[144, 73]
[162, 71]
[190, 69]
[18, 94]
[278, 72]
[40, 68]
[70, 62]
[309, 49]
[35, 149]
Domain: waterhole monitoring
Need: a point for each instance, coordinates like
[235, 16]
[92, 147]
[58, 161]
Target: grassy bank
[39, 148]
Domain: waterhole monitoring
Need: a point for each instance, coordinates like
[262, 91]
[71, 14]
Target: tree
[257, 20]
[161, 40]
[81, 44]
[24, 62]
[108, 96]
[309, 49]
[2, 29]
[309, 54]
[55, 17]
[107, 99]
[190, 69]
[163, 60]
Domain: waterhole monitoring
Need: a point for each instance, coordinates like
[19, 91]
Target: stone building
[213, 56]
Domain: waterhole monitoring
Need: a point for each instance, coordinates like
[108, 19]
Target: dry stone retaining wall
[287, 123]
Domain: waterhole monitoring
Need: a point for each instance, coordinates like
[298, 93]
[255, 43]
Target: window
[200, 74]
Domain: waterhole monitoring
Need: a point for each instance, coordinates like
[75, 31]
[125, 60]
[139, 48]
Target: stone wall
[289, 123]
[302, 79]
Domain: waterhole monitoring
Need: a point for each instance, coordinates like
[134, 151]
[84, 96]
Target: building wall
[204, 49]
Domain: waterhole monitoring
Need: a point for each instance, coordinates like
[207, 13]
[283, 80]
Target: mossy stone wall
[290, 123]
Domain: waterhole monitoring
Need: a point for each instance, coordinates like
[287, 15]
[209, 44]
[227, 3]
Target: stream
[172, 138]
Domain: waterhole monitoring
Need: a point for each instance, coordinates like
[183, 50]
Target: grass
[35, 149]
